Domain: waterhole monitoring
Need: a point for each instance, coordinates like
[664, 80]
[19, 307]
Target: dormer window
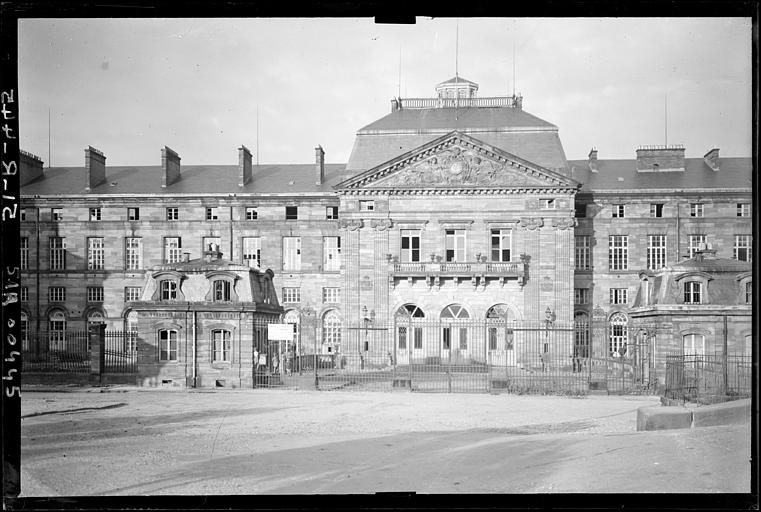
[168, 289]
[221, 290]
[693, 292]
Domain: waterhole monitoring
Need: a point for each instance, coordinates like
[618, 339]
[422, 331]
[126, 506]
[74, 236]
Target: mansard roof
[615, 175]
[508, 128]
[195, 179]
[457, 161]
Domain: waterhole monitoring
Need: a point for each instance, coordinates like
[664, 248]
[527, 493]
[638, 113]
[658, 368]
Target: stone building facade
[448, 206]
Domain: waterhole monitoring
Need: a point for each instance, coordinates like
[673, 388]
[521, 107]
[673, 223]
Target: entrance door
[500, 335]
[409, 334]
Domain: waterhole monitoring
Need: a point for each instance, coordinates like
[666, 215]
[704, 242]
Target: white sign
[280, 332]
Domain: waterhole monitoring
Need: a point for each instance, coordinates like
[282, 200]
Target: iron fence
[70, 352]
[708, 378]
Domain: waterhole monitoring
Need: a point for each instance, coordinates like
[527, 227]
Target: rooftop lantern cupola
[456, 87]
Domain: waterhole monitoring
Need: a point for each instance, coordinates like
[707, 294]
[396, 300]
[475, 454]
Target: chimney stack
[712, 159]
[319, 157]
[244, 166]
[95, 165]
[30, 167]
[593, 160]
[170, 163]
[660, 158]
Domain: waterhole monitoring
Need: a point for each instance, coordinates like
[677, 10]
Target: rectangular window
[501, 243]
[696, 210]
[331, 212]
[222, 344]
[618, 295]
[446, 338]
[133, 213]
[95, 254]
[24, 253]
[291, 295]
[24, 293]
[748, 292]
[547, 204]
[221, 290]
[172, 213]
[167, 345]
[57, 253]
[581, 211]
[133, 251]
[331, 250]
[132, 293]
[22, 214]
[251, 213]
[743, 210]
[743, 250]
[172, 249]
[402, 330]
[212, 213]
[618, 252]
[291, 212]
[56, 294]
[211, 243]
[455, 244]
[656, 210]
[94, 214]
[94, 294]
[366, 205]
[56, 214]
[417, 338]
[697, 243]
[656, 251]
[619, 211]
[252, 251]
[582, 252]
[292, 253]
[410, 246]
[692, 292]
[330, 295]
[168, 289]
[581, 296]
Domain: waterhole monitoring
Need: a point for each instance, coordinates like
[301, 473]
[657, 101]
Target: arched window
[168, 345]
[748, 346]
[581, 336]
[95, 317]
[221, 290]
[57, 330]
[331, 331]
[619, 334]
[292, 317]
[407, 314]
[221, 346]
[454, 335]
[499, 320]
[130, 325]
[24, 331]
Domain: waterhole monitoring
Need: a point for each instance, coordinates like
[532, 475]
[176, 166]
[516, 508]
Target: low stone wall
[662, 417]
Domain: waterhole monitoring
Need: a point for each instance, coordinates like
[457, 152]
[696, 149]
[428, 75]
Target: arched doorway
[293, 318]
[619, 335]
[500, 335]
[455, 334]
[57, 330]
[409, 333]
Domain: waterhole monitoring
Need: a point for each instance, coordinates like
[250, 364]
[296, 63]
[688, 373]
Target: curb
[659, 417]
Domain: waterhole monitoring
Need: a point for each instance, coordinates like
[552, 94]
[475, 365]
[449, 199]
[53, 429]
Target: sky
[128, 87]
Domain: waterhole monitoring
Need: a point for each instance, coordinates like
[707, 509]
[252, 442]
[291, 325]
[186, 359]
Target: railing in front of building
[494, 101]
[488, 268]
[70, 352]
[708, 378]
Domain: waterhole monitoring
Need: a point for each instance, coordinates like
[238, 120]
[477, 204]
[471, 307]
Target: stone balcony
[477, 272]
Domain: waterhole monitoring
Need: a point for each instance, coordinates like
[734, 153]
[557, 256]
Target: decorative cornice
[448, 191]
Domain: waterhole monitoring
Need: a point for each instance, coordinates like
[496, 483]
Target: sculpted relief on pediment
[459, 166]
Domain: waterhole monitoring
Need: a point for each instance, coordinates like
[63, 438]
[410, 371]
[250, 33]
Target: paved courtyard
[153, 442]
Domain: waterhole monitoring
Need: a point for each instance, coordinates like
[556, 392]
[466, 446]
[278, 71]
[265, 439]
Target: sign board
[280, 332]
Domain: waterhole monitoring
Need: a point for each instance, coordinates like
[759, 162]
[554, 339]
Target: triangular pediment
[457, 161]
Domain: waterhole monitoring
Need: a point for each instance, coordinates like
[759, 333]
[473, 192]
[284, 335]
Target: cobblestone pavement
[149, 442]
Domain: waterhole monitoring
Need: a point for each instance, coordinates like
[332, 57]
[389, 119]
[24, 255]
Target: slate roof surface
[710, 265]
[734, 172]
[267, 179]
